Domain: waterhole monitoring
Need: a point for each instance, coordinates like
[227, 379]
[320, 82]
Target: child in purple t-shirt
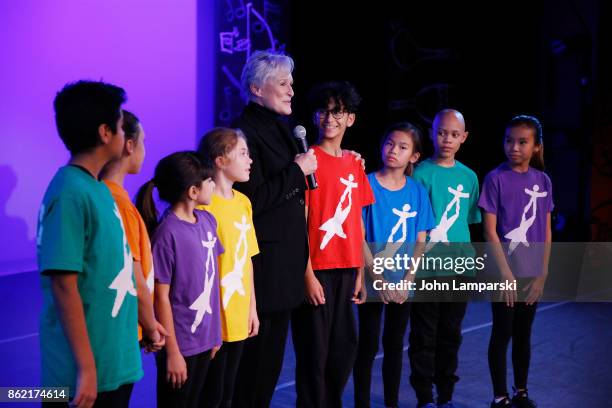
[517, 201]
[185, 250]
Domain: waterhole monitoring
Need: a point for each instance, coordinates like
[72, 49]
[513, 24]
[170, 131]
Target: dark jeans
[325, 342]
[396, 321]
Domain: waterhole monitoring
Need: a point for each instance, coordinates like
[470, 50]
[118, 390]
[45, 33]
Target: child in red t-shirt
[324, 332]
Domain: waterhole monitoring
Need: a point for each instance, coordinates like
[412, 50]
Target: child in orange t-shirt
[150, 331]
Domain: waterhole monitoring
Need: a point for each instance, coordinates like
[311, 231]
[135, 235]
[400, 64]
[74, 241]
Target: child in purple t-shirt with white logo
[517, 201]
[185, 250]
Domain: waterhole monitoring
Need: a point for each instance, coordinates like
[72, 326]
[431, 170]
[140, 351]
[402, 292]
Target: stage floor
[571, 360]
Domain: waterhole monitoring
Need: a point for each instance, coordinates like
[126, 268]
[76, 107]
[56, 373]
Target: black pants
[325, 342]
[396, 321]
[219, 385]
[108, 399]
[510, 323]
[190, 394]
[261, 362]
[435, 338]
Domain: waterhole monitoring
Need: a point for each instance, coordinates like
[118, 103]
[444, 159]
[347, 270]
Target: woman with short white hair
[276, 190]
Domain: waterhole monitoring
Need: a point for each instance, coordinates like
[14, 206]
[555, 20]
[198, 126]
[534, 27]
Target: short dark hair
[81, 107]
[342, 93]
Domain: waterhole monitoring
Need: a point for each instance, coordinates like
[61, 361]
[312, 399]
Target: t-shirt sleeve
[62, 235]
[251, 236]
[474, 216]
[132, 231]
[550, 205]
[163, 260]
[218, 249]
[426, 220]
[367, 195]
[490, 194]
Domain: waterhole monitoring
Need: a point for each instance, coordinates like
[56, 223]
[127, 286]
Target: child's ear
[129, 146]
[219, 162]
[415, 157]
[105, 133]
[351, 119]
[192, 193]
[465, 135]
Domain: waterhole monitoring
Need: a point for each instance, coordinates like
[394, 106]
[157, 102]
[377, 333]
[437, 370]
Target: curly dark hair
[341, 93]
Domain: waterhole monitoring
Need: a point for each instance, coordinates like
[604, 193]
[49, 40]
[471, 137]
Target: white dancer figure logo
[123, 282]
[519, 234]
[403, 215]
[202, 304]
[150, 277]
[232, 282]
[333, 226]
[150, 280]
[440, 232]
[41, 215]
[389, 251]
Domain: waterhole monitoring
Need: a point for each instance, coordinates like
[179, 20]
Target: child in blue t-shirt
[402, 214]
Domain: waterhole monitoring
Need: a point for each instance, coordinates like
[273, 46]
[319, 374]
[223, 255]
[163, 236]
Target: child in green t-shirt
[435, 335]
[88, 335]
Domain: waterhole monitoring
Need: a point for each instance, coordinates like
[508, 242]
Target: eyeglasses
[336, 114]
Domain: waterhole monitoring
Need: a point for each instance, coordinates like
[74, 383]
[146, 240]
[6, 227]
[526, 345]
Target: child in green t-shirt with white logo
[435, 335]
[88, 336]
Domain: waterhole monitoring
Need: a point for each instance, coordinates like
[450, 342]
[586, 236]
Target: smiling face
[333, 121]
[236, 165]
[276, 92]
[519, 145]
[398, 150]
[448, 134]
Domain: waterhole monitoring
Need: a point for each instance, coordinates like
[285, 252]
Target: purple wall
[149, 47]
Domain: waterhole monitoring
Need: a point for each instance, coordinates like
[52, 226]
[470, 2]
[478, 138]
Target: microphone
[299, 133]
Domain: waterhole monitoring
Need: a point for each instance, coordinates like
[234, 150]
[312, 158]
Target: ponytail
[146, 206]
[174, 175]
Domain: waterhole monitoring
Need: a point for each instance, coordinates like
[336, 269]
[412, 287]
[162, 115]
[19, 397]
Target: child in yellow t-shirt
[226, 150]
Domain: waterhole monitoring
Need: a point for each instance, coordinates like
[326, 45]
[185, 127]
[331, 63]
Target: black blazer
[276, 190]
